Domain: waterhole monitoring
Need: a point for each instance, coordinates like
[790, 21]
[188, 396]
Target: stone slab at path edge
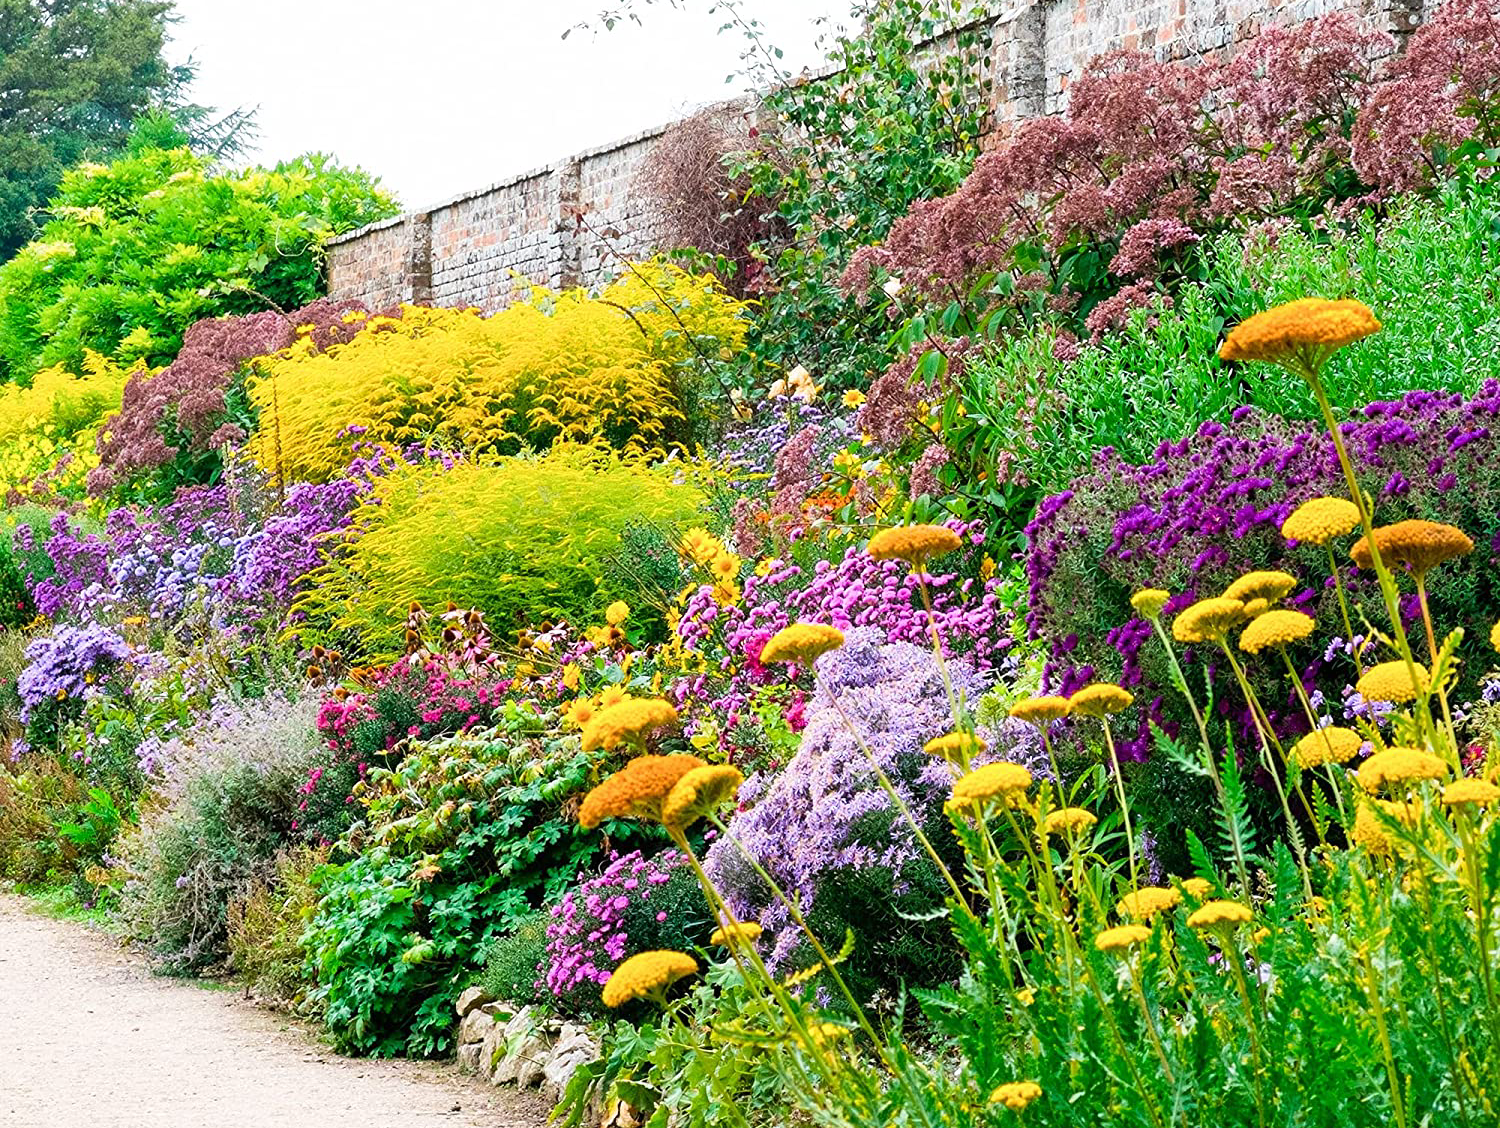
[90, 1039]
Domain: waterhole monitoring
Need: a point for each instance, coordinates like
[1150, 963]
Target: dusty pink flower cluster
[1150, 155]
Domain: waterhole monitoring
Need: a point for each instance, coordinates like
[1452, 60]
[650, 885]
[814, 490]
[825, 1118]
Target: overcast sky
[448, 95]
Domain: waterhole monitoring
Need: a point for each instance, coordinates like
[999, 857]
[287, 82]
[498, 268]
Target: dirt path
[90, 1039]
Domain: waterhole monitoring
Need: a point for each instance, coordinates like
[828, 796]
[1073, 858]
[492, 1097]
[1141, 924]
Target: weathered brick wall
[469, 250]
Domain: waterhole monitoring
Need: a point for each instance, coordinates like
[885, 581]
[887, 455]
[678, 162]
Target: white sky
[448, 95]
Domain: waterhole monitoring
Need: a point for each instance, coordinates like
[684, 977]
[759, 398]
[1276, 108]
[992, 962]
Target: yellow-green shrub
[622, 367]
[521, 538]
[47, 428]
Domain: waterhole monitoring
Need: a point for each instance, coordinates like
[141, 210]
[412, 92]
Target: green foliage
[77, 74]
[463, 841]
[139, 249]
[521, 539]
[1429, 268]
[265, 926]
[896, 123]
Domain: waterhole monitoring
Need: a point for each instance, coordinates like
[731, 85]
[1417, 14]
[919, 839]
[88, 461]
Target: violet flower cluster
[70, 664]
[825, 814]
[1210, 507]
[856, 591]
[589, 935]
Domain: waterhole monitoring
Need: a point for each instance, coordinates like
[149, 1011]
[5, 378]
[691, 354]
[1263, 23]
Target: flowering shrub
[854, 591]
[624, 368]
[637, 904]
[521, 539]
[47, 428]
[232, 802]
[173, 424]
[161, 222]
[1148, 157]
[64, 669]
[825, 831]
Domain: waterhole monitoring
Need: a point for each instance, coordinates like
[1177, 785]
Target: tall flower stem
[1114, 763]
[1432, 654]
[1338, 587]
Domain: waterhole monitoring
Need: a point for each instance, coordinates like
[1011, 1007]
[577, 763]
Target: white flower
[892, 286]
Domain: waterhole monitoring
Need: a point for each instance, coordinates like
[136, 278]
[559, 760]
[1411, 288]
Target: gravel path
[90, 1039]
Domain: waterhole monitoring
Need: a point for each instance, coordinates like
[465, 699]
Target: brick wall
[469, 250]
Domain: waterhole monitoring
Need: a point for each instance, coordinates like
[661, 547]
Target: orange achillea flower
[1303, 333]
[637, 790]
[916, 544]
[732, 935]
[1480, 792]
[1419, 545]
[629, 720]
[698, 793]
[647, 976]
[802, 643]
[1068, 820]
[1369, 832]
[1320, 520]
[1198, 887]
[1016, 1095]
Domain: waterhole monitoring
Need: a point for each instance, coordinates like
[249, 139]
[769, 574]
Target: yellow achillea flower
[955, 746]
[1149, 602]
[698, 793]
[1208, 620]
[1495, 636]
[637, 790]
[1016, 1095]
[916, 544]
[1270, 586]
[801, 643]
[1400, 765]
[617, 612]
[734, 935]
[1069, 820]
[1321, 520]
[1419, 545]
[1369, 832]
[1198, 887]
[1276, 628]
[1391, 681]
[629, 720]
[1003, 781]
[1219, 914]
[1041, 710]
[1100, 700]
[1123, 938]
[1256, 608]
[647, 976]
[1304, 332]
[1145, 903]
[1332, 745]
[1477, 791]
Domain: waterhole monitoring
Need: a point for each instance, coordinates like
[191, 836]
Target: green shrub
[233, 802]
[514, 965]
[1430, 269]
[139, 249]
[266, 922]
[521, 539]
